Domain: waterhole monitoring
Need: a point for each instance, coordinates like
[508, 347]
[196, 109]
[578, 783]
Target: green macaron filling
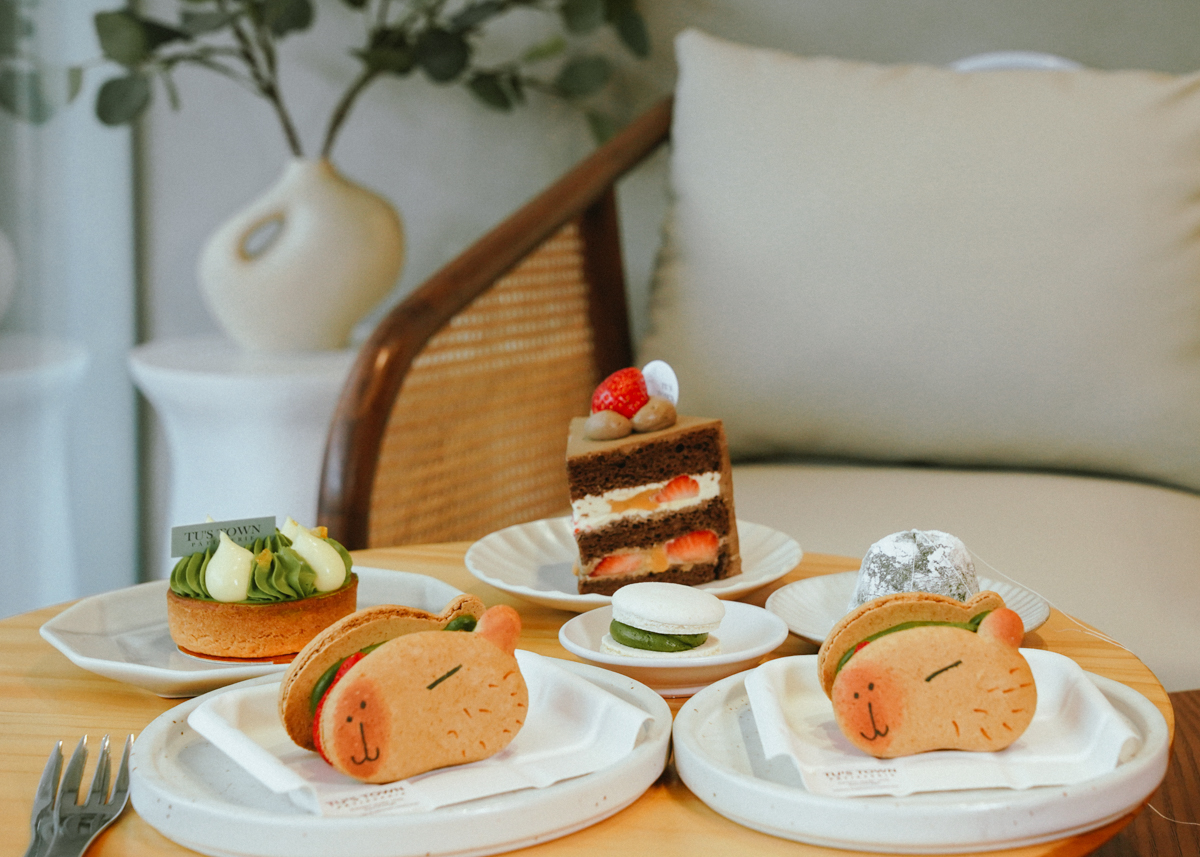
[637, 638]
[971, 625]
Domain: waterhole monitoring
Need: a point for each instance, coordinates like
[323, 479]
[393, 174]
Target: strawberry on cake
[651, 492]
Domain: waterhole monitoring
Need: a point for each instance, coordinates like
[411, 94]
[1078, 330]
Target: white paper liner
[1075, 735]
[573, 728]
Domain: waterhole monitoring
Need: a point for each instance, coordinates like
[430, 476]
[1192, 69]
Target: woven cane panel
[477, 437]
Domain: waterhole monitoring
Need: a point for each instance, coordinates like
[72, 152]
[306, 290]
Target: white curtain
[68, 419]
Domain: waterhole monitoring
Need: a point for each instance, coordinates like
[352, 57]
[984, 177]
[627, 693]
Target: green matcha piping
[637, 638]
[284, 577]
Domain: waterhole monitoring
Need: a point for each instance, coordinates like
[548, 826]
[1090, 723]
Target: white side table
[245, 431]
[37, 377]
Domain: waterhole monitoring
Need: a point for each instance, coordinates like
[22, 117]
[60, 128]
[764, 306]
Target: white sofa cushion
[909, 263]
[1122, 556]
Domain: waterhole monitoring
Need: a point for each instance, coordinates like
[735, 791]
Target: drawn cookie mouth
[367, 757]
[874, 727]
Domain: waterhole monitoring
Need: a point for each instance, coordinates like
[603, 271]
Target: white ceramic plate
[535, 561]
[193, 794]
[718, 756]
[812, 606]
[746, 634]
[123, 634]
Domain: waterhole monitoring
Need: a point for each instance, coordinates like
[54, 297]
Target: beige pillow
[913, 263]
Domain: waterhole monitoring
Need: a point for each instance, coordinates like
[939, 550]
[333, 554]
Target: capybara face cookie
[310, 674]
[421, 702]
[921, 684]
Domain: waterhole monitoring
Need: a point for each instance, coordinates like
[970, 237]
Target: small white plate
[719, 757]
[123, 634]
[191, 792]
[811, 607]
[535, 561]
[746, 634]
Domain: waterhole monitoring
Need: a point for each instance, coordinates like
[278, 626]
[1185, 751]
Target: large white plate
[123, 634]
[192, 793]
[535, 561]
[746, 634]
[812, 606]
[718, 756]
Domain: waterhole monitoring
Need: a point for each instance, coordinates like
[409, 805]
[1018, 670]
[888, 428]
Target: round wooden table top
[44, 698]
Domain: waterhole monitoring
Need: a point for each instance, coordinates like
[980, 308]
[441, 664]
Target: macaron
[663, 620]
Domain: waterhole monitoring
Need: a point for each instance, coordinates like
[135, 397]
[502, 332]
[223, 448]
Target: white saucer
[746, 634]
[811, 607]
[719, 757]
[123, 634]
[535, 561]
[191, 792]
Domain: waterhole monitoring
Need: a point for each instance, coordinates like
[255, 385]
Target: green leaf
[123, 99]
[12, 28]
[487, 87]
[389, 51]
[287, 16]
[475, 14]
[356, 4]
[631, 27]
[21, 95]
[199, 23]
[551, 47]
[499, 89]
[602, 126]
[129, 40]
[443, 54]
[583, 76]
[582, 16]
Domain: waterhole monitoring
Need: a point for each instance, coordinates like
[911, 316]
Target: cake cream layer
[647, 533]
[641, 501]
[595, 467]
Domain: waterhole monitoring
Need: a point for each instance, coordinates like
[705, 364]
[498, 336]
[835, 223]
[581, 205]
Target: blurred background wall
[117, 222]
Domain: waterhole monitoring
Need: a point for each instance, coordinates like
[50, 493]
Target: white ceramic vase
[303, 263]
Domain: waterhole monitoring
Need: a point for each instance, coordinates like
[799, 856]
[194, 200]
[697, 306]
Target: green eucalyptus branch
[239, 40]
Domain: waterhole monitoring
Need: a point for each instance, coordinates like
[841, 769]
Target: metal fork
[63, 827]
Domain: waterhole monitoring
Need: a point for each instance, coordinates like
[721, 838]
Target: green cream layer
[285, 577]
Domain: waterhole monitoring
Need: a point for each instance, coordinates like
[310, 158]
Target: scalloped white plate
[193, 794]
[535, 561]
[746, 634]
[719, 757]
[811, 607]
[123, 634]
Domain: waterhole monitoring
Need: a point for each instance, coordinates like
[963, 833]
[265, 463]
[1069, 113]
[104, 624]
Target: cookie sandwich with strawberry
[651, 491]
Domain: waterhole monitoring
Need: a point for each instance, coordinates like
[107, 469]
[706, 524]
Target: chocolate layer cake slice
[653, 506]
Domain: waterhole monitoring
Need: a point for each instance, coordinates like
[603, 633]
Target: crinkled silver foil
[916, 561]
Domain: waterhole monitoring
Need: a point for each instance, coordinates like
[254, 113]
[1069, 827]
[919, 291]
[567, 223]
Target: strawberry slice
[617, 563]
[624, 391]
[342, 670]
[679, 488]
[698, 546]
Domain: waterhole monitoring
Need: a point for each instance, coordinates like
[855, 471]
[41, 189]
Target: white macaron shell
[667, 608]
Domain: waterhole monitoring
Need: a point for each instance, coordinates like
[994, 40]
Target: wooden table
[45, 698]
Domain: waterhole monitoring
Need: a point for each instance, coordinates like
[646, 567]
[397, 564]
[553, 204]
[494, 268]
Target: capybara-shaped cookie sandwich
[424, 700]
[311, 672]
[913, 672]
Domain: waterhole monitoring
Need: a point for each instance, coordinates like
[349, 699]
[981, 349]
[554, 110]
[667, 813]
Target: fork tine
[121, 787]
[43, 798]
[100, 779]
[68, 791]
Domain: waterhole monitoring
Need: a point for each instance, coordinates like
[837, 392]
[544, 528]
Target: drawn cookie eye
[937, 673]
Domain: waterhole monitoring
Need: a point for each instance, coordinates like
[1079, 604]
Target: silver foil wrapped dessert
[916, 561]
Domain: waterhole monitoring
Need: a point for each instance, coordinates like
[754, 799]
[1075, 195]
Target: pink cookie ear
[501, 625]
[1003, 625]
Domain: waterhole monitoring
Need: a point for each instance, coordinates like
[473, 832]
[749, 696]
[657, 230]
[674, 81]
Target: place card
[190, 539]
